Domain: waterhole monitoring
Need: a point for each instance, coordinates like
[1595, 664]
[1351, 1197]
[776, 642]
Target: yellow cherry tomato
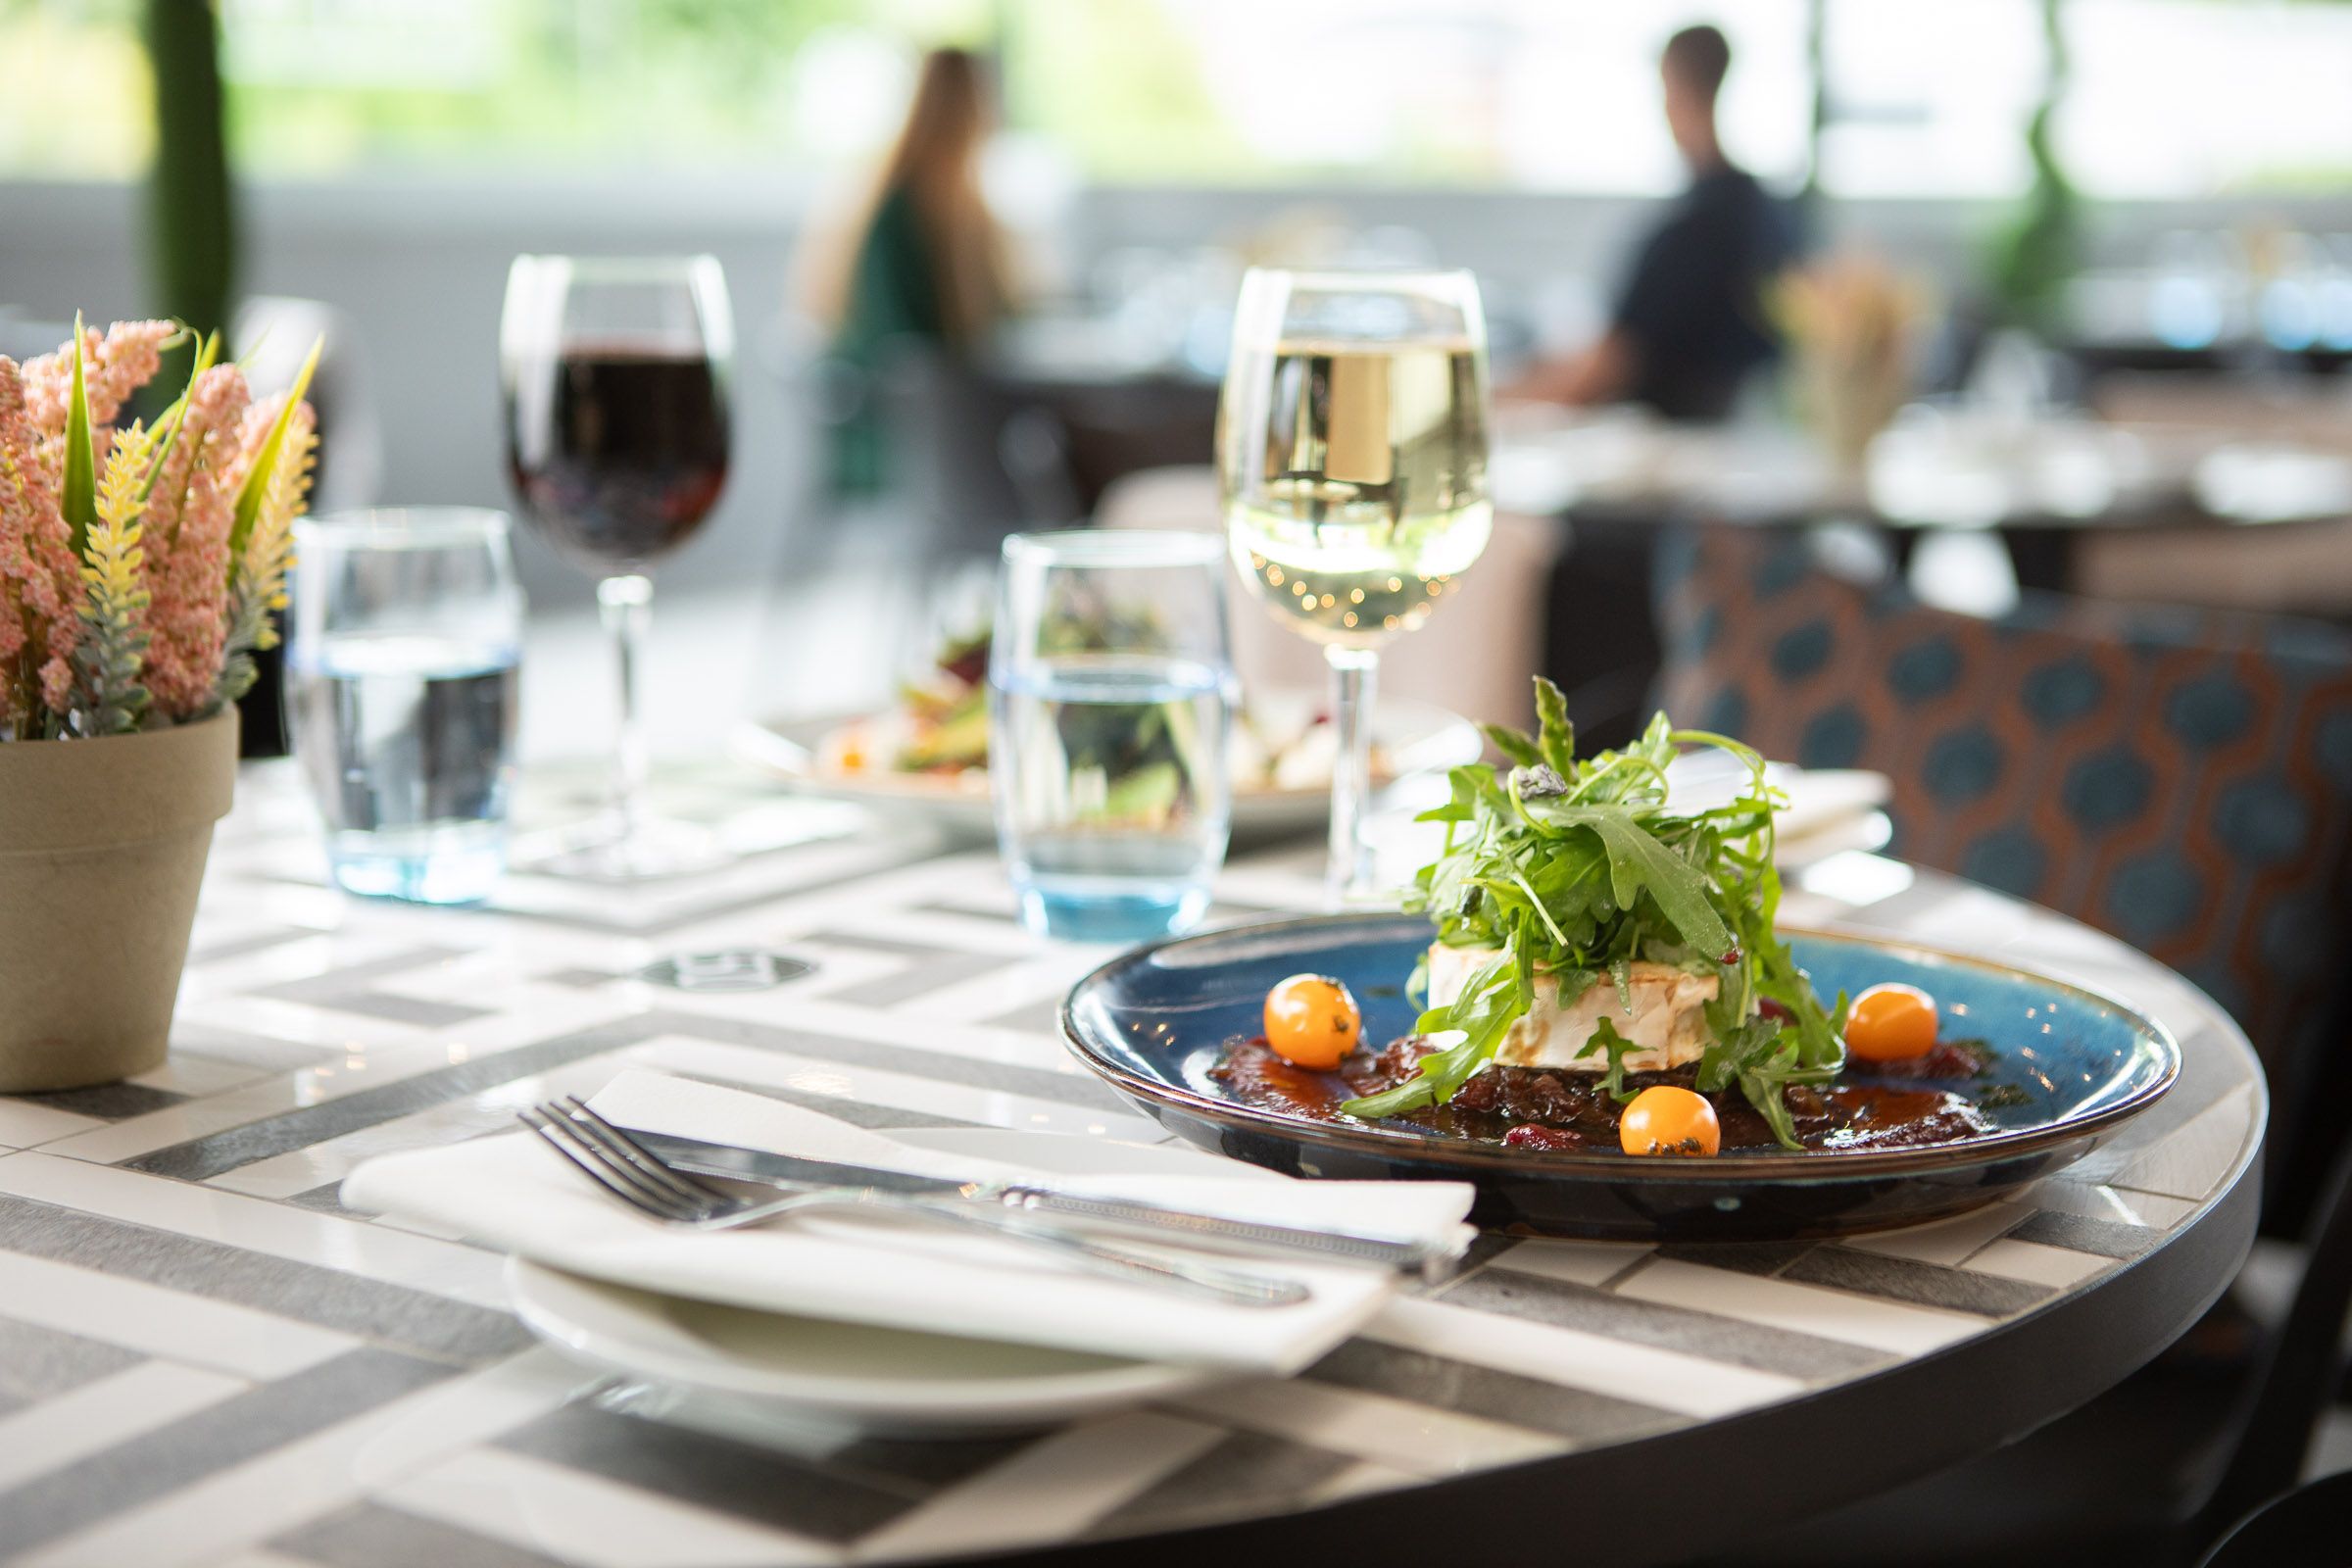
[1666, 1120]
[1890, 1022]
[1311, 1022]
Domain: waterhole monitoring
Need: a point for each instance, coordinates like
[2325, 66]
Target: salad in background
[939, 727]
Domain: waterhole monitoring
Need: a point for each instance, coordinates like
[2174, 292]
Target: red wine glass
[616, 374]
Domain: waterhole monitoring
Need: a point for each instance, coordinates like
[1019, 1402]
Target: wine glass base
[657, 850]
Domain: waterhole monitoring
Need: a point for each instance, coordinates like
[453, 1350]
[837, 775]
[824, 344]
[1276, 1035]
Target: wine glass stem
[625, 604]
[1354, 673]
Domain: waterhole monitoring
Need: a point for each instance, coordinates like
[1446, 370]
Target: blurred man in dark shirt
[1689, 322]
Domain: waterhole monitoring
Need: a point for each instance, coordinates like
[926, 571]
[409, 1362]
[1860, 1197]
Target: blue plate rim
[1773, 1165]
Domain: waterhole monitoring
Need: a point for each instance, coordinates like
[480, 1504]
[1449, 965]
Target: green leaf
[265, 462]
[1462, 805]
[79, 499]
[1639, 863]
[1496, 997]
[206, 353]
[1762, 1086]
[1512, 743]
[1738, 1046]
[1555, 736]
[1519, 880]
[1606, 1037]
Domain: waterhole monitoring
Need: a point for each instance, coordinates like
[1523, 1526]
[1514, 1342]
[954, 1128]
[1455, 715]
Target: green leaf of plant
[1462, 803]
[265, 462]
[1639, 863]
[1512, 743]
[1606, 1037]
[1495, 998]
[1762, 1087]
[1535, 903]
[206, 353]
[79, 494]
[1555, 736]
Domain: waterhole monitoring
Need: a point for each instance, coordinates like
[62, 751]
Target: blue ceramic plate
[1154, 1023]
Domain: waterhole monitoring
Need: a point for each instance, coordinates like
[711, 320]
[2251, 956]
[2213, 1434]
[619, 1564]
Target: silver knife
[795, 1171]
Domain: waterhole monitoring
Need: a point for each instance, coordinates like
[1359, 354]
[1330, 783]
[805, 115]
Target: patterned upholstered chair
[2181, 779]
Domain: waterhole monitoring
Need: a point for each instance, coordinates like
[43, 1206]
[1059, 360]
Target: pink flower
[189, 519]
[176, 595]
[115, 363]
[40, 582]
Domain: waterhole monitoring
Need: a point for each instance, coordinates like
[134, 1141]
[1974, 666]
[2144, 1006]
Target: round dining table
[208, 1361]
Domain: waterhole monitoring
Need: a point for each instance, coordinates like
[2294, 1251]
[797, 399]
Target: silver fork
[635, 1174]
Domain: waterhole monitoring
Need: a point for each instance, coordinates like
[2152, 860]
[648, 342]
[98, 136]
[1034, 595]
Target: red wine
[624, 455]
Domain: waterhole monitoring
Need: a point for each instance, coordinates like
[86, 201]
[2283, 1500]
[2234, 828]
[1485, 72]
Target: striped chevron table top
[206, 1360]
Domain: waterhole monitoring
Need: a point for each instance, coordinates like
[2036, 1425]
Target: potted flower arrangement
[139, 567]
[1850, 321]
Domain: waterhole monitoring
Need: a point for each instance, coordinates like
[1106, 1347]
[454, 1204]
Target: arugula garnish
[1576, 869]
[1606, 1037]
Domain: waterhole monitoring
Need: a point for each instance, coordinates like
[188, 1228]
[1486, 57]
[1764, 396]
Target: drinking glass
[1351, 451]
[617, 371]
[407, 638]
[1110, 688]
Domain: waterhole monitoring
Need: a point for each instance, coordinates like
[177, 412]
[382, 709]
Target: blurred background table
[2039, 484]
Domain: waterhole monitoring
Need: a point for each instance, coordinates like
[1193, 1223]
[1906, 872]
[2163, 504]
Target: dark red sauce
[1543, 1109]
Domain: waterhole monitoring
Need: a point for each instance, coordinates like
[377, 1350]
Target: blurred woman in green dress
[924, 262]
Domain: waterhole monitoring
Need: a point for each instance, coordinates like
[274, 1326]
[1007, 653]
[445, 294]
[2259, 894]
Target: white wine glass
[1351, 451]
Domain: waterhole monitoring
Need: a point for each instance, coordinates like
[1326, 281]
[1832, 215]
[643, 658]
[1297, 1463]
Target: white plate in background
[1411, 738]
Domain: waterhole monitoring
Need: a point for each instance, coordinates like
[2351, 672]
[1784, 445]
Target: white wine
[1351, 445]
[1355, 480]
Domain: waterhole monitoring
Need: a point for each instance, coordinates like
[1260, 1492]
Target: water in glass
[402, 687]
[1111, 687]
[408, 742]
[1112, 793]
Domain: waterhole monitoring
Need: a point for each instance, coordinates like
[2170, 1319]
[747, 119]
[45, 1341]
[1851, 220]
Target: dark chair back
[2302, 1368]
[270, 334]
[2181, 779]
[2287, 1531]
[974, 463]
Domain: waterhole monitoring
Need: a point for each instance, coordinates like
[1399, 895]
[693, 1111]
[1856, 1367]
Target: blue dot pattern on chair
[2181, 779]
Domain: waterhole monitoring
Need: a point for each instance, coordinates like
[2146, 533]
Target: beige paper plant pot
[102, 848]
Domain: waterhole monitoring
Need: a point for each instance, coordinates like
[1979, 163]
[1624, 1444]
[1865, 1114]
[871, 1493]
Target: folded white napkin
[1820, 799]
[514, 1193]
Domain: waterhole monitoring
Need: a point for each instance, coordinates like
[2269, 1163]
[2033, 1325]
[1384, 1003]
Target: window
[1930, 100]
[2202, 97]
[1525, 93]
[73, 91]
[2168, 98]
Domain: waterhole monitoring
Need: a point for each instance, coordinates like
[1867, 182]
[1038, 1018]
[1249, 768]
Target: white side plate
[807, 1373]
